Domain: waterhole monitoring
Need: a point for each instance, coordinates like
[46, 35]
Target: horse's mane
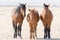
[18, 9]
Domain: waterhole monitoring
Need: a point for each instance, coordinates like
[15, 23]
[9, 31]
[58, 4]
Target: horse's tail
[47, 28]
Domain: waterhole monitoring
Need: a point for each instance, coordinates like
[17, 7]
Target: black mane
[45, 5]
[19, 7]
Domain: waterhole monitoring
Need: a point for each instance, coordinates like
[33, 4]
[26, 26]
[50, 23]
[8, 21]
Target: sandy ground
[6, 28]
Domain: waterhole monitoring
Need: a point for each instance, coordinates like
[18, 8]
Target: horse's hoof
[36, 37]
[20, 37]
[15, 36]
[49, 37]
[32, 39]
[45, 37]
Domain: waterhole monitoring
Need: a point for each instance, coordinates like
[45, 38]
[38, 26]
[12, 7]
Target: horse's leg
[45, 31]
[19, 30]
[35, 30]
[15, 34]
[30, 31]
[15, 28]
[49, 30]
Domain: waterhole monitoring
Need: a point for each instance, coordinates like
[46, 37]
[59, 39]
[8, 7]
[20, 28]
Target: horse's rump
[46, 16]
[33, 18]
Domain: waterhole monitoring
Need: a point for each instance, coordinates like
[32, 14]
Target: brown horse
[33, 18]
[46, 18]
[17, 19]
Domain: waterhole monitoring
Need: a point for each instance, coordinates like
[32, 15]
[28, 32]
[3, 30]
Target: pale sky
[30, 2]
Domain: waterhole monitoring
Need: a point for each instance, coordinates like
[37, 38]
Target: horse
[46, 17]
[32, 19]
[18, 15]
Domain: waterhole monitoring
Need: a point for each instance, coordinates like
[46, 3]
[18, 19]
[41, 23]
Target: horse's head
[46, 6]
[23, 9]
[32, 11]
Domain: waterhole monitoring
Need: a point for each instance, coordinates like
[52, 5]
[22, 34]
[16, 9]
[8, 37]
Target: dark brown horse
[33, 18]
[46, 18]
[17, 19]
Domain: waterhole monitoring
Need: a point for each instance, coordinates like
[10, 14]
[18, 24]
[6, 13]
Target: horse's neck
[46, 12]
[17, 9]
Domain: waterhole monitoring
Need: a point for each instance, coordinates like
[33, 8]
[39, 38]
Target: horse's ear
[19, 3]
[29, 9]
[25, 3]
[48, 5]
[44, 4]
[34, 9]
